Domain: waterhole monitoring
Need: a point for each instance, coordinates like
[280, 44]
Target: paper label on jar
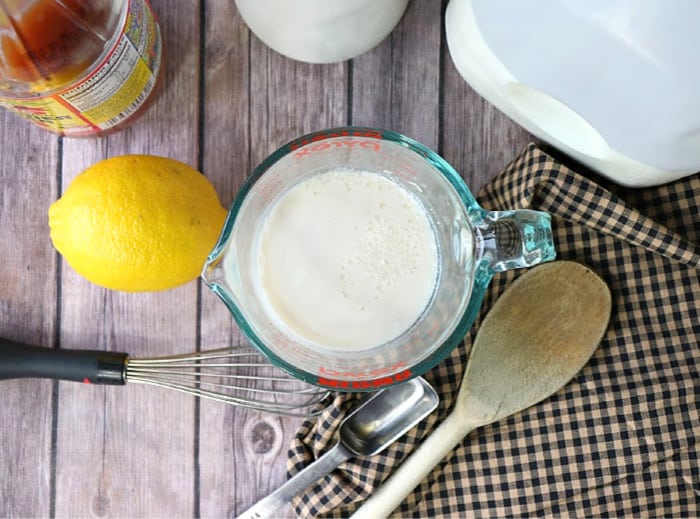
[114, 91]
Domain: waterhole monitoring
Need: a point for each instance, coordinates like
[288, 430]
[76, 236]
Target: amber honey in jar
[78, 67]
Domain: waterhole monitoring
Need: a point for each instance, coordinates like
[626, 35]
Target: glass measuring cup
[472, 244]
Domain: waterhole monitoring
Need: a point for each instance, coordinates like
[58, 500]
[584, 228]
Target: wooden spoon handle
[412, 471]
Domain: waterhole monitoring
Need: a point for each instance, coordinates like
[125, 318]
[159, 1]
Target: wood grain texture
[28, 165]
[392, 90]
[227, 102]
[128, 451]
[477, 139]
[228, 475]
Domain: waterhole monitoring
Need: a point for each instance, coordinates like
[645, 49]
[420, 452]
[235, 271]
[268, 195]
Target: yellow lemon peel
[137, 223]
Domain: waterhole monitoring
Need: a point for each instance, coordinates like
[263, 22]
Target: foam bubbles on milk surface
[347, 259]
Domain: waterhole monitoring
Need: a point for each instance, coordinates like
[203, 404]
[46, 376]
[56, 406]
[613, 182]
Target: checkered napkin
[622, 438]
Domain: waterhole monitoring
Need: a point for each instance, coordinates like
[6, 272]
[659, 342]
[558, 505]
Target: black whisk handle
[91, 366]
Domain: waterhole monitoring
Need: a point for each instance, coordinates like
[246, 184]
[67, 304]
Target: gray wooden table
[71, 450]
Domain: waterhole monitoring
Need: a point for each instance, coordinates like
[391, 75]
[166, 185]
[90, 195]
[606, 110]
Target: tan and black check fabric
[621, 440]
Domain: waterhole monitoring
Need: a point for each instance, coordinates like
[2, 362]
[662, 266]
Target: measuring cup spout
[215, 277]
[515, 239]
[213, 273]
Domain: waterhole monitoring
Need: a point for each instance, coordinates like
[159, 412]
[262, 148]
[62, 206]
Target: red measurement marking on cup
[363, 384]
[338, 143]
[332, 135]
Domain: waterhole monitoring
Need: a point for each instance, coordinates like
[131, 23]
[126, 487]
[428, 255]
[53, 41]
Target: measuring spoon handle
[411, 472]
[298, 483]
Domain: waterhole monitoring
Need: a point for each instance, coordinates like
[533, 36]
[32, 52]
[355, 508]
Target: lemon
[137, 223]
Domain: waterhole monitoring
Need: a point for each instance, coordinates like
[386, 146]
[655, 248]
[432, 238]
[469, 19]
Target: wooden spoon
[537, 336]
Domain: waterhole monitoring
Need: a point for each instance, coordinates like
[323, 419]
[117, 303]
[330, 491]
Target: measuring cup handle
[515, 239]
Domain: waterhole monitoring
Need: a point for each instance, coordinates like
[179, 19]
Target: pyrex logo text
[339, 142]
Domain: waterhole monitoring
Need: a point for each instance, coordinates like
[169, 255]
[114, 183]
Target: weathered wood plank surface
[29, 160]
[68, 450]
[127, 451]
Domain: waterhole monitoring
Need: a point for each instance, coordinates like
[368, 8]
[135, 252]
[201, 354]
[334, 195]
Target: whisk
[236, 375]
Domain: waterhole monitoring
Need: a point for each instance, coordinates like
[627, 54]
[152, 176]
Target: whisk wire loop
[239, 376]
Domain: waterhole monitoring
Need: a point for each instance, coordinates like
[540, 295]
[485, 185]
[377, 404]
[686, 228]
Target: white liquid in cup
[346, 259]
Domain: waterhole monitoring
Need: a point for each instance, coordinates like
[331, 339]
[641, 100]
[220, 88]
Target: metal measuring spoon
[537, 336]
[367, 430]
